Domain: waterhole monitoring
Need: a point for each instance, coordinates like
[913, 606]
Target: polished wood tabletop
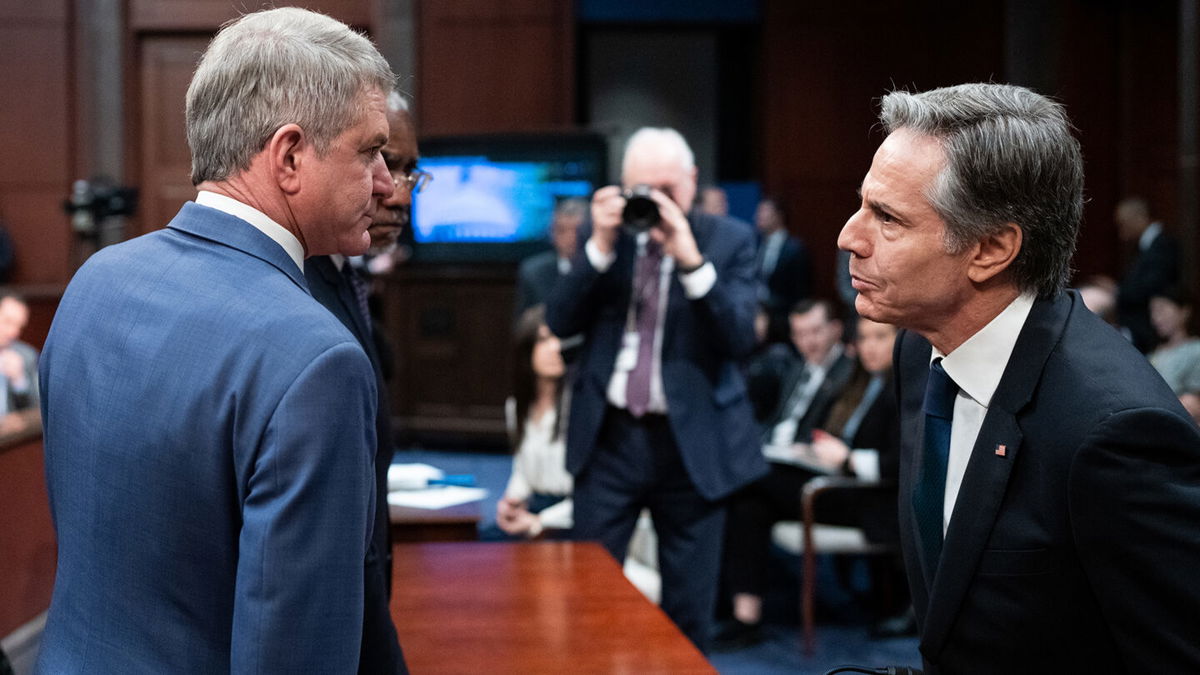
[537, 607]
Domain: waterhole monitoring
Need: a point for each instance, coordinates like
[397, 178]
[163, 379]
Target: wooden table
[453, 523]
[544, 607]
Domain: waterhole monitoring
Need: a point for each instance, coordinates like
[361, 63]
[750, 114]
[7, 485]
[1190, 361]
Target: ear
[285, 151]
[995, 253]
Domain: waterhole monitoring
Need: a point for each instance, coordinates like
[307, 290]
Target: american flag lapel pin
[1001, 450]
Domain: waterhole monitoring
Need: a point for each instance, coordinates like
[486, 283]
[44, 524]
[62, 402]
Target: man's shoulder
[538, 260]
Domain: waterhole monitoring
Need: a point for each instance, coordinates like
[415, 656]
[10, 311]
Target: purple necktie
[645, 296]
[359, 286]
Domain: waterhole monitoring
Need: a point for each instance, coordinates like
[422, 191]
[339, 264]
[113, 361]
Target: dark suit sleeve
[1135, 504]
[574, 303]
[306, 523]
[526, 291]
[1158, 269]
[726, 312]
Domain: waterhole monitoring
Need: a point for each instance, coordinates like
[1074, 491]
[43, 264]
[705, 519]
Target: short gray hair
[662, 138]
[271, 68]
[1010, 158]
[396, 102]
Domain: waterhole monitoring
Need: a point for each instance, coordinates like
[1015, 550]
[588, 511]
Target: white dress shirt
[696, 284]
[278, 233]
[976, 366]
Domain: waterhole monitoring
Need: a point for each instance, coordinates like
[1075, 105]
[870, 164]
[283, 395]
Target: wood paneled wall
[36, 135]
[495, 65]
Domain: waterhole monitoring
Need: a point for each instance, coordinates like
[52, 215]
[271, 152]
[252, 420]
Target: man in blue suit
[1049, 479]
[659, 412]
[209, 427]
[343, 291]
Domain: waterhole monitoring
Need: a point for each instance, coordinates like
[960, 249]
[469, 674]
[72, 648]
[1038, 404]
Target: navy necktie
[929, 495]
[359, 286]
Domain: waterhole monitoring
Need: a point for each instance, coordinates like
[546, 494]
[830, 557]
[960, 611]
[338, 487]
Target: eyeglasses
[413, 180]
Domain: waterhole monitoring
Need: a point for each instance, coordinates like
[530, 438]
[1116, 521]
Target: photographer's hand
[607, 204]
[675, 233]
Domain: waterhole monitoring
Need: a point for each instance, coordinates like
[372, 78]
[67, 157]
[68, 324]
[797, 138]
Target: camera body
[641, 211]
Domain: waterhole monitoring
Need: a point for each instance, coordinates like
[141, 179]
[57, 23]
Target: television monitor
[492, 197]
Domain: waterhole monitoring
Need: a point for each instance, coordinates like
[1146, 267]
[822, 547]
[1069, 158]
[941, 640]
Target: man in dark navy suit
[341, 288]
[1049, 479]
[1153, 270]
[659, 413]
[538, 273]
[784, 273]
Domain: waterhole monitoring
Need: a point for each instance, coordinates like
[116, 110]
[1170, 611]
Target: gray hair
[1010, 158]
[396, 102]
[271, 68]
[572, 207]
[662, 139]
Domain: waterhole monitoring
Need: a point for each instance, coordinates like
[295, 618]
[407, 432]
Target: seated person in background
[765, 366]
[809, 388]
[538, 496]
[1177, 358]
[18, 360]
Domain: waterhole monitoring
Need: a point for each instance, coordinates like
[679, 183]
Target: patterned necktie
[646, 292]
[359, 286]
[929, 495]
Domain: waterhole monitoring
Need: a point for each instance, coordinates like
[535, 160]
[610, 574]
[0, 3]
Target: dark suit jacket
[380, 653]
[824, 398]
[208, 442]
[535, 279]
[1152, 271]
[709, 411]
[791, 279]
[880, 431]
[1076, 549]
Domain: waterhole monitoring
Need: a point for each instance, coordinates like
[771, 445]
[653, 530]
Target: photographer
[659, 415]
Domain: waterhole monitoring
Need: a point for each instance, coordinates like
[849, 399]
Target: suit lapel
[345, 294]
[985, 481]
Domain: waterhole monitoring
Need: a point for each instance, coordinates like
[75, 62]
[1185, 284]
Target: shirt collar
[1149, 235]
[261, 221]
[835, 353]
[977, 365]
[338, 260]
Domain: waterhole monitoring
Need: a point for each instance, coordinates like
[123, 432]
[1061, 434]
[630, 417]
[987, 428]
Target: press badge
[627, 357]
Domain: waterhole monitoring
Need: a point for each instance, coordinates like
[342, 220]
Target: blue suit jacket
[1075, 540]
[209, 436]
[703, 340]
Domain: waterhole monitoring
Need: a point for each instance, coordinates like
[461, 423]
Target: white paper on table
[436, 497]
[414, 476]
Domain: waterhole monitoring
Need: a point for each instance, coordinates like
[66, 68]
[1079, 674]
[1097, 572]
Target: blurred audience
[784, 274]
[538, 496]
[18, 360]
[1099, 294]
[808, 388]
[1154, 268]
[714, 201]
[1177, 357]
[538, 273]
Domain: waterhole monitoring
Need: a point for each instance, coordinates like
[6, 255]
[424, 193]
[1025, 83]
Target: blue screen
[473, 199]
[493, 195]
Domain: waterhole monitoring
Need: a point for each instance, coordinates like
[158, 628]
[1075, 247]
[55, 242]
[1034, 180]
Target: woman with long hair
[538, 494]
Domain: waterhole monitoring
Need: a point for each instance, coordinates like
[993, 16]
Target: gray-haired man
[209, 427]
[1050, 481]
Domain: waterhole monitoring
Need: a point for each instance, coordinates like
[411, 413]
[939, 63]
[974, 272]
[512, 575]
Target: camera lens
[641, 212]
